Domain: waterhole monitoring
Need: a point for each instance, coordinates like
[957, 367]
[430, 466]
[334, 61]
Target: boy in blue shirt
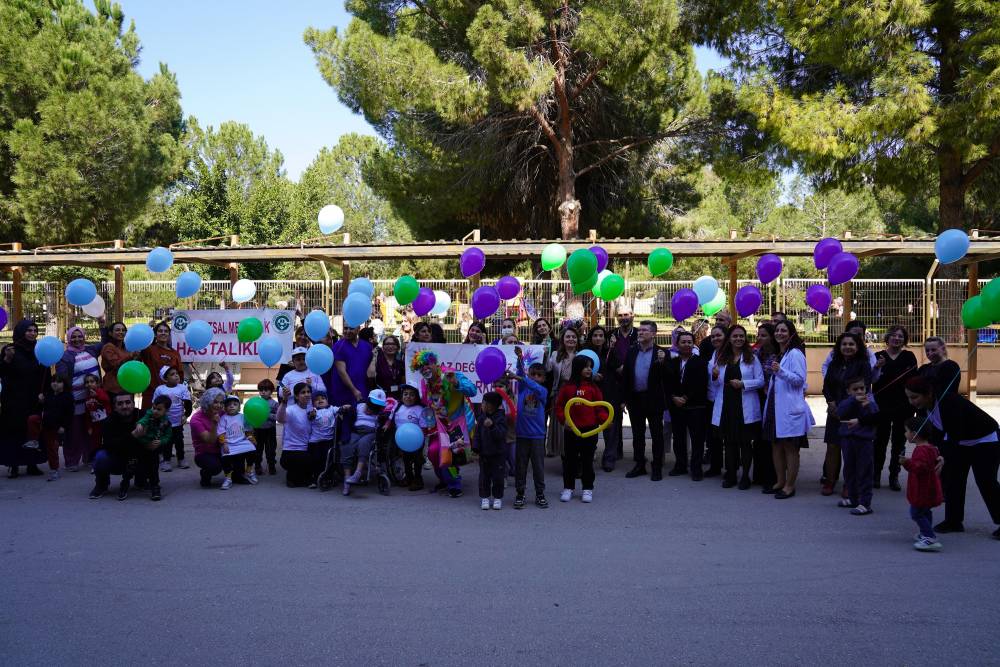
[858, 416]
[531, 399]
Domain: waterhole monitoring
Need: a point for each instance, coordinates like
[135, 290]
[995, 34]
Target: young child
[490, 442]
[98, 407]
[409, 411]
[267, 433]
[923, 488]
[858, 416]
[579, 452]
[52, 425]
[503, 387]
[214, 379]
[295, 435]
[152, 431]
[238, 448]
[362, 438]
[322, 418]
[532, 397]
[177, 414]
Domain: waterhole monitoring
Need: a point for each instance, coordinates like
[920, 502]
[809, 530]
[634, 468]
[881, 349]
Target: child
[179, 411]
[214, 379]
[267, 434]
[490, 442]
[923, 488]
[295, 435]
[362, 438]
[503, 387]
[97, 406]
[238, 448]
[52, 425]
[579, 452]
[532, 397]
[322, 418]
[409, 412]
[152, 432]
[858, 417]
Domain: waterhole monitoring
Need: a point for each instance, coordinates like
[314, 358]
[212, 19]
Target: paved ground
[673, 572]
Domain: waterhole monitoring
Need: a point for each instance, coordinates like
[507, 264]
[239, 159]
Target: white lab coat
[753, 379]
[792, 416]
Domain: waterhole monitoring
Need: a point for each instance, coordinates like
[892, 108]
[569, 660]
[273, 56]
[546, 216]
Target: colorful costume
[449, 413]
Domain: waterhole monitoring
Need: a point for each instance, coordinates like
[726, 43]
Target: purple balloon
[748, 300]
[818, 298]
[602, 257]
[3, 318]
[472, 261]
[485, 302]
[508, 287]
[683, 304]
[768, 267]
[490, 365]
[824, 252]
[424, 303]
[843, 266]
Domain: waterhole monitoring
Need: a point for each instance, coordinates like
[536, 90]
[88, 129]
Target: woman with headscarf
[78, 361]
[23, 380]
[157, 356]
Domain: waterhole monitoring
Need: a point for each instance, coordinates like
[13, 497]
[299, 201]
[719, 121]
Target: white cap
[377, 396]
[299, 350]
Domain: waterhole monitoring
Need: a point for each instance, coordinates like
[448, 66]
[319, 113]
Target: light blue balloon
[138, 337]
[49, 350]
[362, 285]
[188, 284]
[159, 260]
[317, 325]
[80, 292]
[198, 335]
[409, 438]
[590, 354]
[269, 350]
[357, 309]
[319, 359]
[706, 288]
[951, 246]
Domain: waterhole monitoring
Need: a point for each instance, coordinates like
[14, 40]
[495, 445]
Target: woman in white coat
[735, 377]
[786, 429]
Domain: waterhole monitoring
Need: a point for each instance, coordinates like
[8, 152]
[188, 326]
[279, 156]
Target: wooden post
[972, 335]
[234, 269]
[345, 278]
[119, 307]
[17, 297]
[731, 297]
[848, 294]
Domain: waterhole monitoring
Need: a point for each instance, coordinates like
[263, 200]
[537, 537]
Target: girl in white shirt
[295, 436]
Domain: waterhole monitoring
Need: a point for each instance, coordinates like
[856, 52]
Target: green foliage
[84, 139]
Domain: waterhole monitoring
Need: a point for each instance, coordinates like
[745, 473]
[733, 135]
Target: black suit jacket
[694, 385]
[963, 420]
[657, 382]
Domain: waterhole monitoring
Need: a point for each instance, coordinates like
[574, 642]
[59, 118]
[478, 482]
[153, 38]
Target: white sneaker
[927, 544]
[497, 503]
[252, 477]
[565, 496]
[31, 444]
[53, 475]
[165, 466]
[588, 496]
[227, 483]
[183, 465]
[484, 504]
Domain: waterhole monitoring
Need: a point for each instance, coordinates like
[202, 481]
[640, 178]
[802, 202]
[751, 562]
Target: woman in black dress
[850, 360]
[898, 364]
[23, 380]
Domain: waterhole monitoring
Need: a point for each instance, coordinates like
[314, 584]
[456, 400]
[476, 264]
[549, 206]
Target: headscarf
[209, 397]
[69, 335]
[19, 335]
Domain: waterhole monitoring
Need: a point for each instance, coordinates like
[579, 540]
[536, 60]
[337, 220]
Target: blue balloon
[317, 325]
[49, 350]
[590, 354]
[362, 285]
[197, 336]
[159, 260]
[319, 359]
[188, 284]
[357, 309]
[706, 288]
[409, 438]
[269, 349]
[951, 246]
[138, 337]
[80, 292]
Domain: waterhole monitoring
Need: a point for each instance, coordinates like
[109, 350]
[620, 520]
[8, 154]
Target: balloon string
[958, 375]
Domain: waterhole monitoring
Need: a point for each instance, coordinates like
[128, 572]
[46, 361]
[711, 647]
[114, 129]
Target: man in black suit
[645, 386]
[688, 394]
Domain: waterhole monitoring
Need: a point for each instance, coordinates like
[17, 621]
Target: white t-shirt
[322, 424]
[364, 419]
[408, 414]
[295, 435]
[177, 396]
[235, 428]
[292, 378]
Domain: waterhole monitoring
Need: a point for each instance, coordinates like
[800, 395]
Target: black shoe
[769, 490]
[744, 484]
[154, 493]
[894, 483]
[33, 471]
[540, 501]
[638, 471]
[656, 475]
[697, 475]
[781, 495]
[607, 468]
[519, 503]
[440, 486]
[98, 491]
[945, 527]
[713, 472]
[677, 472]
[877, 484]
[271, 470]
[123, 490]
[728, 483]
[455, 493]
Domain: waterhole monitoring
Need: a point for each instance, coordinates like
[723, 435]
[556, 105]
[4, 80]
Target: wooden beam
[731, 297]
[848, 303]
[972, 336]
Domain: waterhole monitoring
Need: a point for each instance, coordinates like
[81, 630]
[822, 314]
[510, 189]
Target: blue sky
[246, 61]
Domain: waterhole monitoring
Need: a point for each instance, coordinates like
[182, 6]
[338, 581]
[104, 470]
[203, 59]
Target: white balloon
[442, 302]
[96, 307]
[244, 290]
[331, 218]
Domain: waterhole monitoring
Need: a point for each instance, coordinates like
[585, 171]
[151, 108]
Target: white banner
[225, 346]
[462, 359]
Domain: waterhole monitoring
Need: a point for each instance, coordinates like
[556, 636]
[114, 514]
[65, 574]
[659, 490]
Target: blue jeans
[107, 464]
[922, 515]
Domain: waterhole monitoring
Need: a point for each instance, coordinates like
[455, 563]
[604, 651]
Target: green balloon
[973, 314]
[256, 411]
[612, 287]
[660, 261]
[600, 279]
[581, 265]
[133, 376]
[553, 256]
[991, 299]
[406, 290]
[584, 287]
[717, 303]
[249, 330]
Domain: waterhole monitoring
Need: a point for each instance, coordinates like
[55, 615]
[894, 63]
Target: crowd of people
[727, 403]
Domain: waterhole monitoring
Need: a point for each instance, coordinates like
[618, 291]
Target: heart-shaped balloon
[577, 400]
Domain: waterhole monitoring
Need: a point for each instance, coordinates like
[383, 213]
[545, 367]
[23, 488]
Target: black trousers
[646, 407]
[712, 441]
[318, 452]
[890, 428]
[492, 470]
[578, 455]
[983, 460]
[235, 465]
[739, 451]
[685, 422]
[298, 466]
[763, 464]
[267, 445]
[176, 443]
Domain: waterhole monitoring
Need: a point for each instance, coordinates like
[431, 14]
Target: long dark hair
[602, 353]
[537, 338]
[839, 359]
[579, 363]
[794, 342]
[772, 345]
[727, 354]
[437, 333]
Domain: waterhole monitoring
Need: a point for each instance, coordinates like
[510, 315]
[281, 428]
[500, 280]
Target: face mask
[506, 331]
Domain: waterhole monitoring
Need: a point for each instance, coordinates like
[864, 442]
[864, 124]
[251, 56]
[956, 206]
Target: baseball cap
[377, 397]
[299, 350]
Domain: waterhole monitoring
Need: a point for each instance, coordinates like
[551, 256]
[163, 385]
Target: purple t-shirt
[356, 358]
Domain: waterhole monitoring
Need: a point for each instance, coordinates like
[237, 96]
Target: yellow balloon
[576, 400]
